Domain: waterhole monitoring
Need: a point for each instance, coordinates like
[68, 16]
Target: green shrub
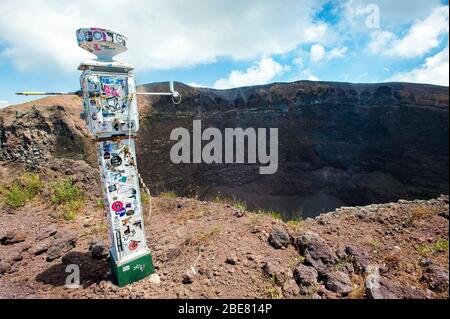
[100, 203]
[274, 214]
[440, 246]
[69, 195]
[16, 195]
[72, 208]
[21, 190]
[240, 205]
[65, 191]
[32, 183]
[145, 199]
[295, 223]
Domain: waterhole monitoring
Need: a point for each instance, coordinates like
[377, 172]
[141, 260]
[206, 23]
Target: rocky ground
[216, 250]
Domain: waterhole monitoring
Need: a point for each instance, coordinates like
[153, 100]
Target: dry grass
[273, 214]
[272, 292]
[99, 230]
[168, 195]
[416, 213]
[295, 224]
[359, 290]
[203, 238]
[392, 259]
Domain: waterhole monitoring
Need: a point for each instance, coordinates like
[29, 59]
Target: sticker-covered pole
[110, 109]
[111, 113]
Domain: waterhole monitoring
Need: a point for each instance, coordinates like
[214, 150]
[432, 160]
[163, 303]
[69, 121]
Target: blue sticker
[121, 212]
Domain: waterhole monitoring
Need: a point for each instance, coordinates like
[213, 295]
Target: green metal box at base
[133, 270]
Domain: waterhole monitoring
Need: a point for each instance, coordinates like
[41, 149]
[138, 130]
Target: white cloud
[319, 53]
[196, 85]
[337, 53]
[307, 74]
[433, 71]
[3, 104]
[259, 73]
[421, 37]
[298, 61]
[162, 34]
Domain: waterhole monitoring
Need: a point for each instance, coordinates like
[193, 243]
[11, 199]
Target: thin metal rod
[48, 93]
[154, 93]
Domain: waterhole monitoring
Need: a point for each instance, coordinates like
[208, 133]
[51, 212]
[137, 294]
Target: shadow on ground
[92, 271]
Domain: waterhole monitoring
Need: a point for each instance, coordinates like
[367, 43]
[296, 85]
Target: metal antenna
[49, 93]
[176, 96]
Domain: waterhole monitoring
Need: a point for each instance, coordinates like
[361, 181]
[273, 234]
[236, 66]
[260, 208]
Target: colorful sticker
[117, 206]
[116, 161]
[133, 245]
[122, 212]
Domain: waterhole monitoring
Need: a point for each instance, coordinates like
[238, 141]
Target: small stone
[316, 251]
[306, 278]
[444, 214]
[231, 260]
[154, 279]
[15, 258]
[25, 247]
[436, 278]
[41, 247]
[239, 213]
[11, 238]
[340, 253]
[99, 249]
[290, 288]
[339, 282]
[426, 261]
[272, 269]
[360, 257]
[63, 243]
[279, 237]
[188, 277]
[4, 267]
[47, 232]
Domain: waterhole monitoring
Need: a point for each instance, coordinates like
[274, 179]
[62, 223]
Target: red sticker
[116, 206]
[133, 245]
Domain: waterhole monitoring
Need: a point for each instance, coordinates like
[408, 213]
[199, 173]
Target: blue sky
[228, 43]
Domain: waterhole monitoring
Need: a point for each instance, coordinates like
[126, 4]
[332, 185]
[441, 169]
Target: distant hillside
[341, 144]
